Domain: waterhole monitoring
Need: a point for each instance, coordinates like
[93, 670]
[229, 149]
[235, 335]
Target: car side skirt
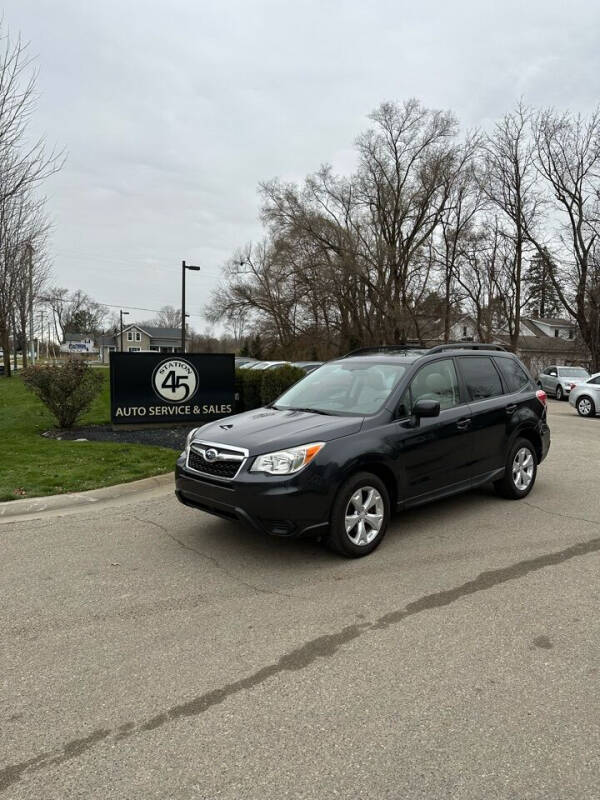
[453, 488]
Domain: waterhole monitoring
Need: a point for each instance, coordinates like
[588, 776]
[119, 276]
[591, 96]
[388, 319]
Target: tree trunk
[5, 339]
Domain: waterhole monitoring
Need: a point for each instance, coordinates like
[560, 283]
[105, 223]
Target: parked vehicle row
[366, 435]
[241, 362]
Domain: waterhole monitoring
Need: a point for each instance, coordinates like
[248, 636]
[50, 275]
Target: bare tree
[23, 164]
[74, 312]
[168, 317]
[567, 156]
[509, 180]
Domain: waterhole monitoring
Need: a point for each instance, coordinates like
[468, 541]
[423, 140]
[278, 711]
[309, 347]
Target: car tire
[351, 500]
[585, 406]
[559, 393]
[520, 473]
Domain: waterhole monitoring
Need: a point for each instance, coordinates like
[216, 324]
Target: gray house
[141, 339]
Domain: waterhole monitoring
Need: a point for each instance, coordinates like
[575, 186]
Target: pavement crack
[300, 658]
[559, 514]
[253, 587]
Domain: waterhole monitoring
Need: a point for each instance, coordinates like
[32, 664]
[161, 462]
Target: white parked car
[586, 396]
[559, 381]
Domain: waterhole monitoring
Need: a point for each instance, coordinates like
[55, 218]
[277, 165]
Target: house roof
[154, 332]
[164, 334]
[532, 326]
[549, 321]
[546, 344]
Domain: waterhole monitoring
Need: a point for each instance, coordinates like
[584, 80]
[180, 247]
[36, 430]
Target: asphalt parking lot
[150, 651]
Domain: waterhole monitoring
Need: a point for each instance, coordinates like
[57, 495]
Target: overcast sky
[171, 112]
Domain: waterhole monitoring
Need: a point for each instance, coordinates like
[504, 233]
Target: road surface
[150, 651]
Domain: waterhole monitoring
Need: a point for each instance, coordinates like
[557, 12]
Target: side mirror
[426, 408]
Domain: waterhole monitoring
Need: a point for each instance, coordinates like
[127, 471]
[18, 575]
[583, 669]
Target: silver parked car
[586, 397]
[559, 381]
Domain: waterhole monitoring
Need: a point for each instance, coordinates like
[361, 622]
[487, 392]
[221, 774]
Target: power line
[46, 298]
[209, 271]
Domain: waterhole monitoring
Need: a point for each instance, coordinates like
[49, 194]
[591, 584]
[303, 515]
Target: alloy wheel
[523, 468]
[364, 515]
[584, 406]
[559, 393]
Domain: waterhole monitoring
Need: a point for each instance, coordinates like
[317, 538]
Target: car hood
[265, 429]
[576, 381]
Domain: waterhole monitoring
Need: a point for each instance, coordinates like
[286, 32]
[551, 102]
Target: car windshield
[344, 388]
[573, 372]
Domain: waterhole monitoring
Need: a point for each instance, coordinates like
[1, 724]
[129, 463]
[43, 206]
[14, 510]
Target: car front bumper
[292, 506]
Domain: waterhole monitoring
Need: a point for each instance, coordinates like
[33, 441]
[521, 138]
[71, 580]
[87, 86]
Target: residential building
[545, 340]
[141, 339]
[554, 327]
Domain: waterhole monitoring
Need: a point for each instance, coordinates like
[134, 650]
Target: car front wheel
[559, 393]
[360, 516]
[585, 407]
[520, 473]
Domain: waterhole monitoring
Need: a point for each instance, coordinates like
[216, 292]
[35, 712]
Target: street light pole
[184, 266]
[122, 313]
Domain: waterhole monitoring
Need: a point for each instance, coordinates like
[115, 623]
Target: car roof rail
[384, 348]
[440, 348]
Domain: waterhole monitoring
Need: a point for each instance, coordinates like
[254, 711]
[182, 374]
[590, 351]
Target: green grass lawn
[31, 465]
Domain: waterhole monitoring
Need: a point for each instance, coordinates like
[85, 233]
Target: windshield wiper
[308, 410]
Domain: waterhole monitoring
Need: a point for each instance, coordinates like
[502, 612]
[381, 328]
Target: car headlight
[189, 438]
[285, 462]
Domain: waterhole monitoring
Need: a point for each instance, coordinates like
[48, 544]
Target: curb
[11, 510]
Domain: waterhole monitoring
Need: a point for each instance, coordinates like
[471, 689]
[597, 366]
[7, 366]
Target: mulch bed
[163, 437]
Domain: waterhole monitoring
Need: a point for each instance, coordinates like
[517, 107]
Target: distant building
[548, 340]
[141, 339]
[557, 328]
[78, 343]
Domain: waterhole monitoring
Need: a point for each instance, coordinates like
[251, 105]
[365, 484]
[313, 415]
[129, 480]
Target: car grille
[225, 466]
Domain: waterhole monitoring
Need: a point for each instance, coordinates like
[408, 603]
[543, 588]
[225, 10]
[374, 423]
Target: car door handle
[510, 409]
[463, 424]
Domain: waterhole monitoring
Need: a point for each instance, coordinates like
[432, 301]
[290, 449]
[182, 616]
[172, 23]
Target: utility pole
[184, 266]
[29, 251]
[123, 314]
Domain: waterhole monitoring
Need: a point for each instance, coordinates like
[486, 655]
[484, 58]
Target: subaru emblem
[211, 455]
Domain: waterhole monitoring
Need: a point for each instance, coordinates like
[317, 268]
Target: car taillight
[542, 396]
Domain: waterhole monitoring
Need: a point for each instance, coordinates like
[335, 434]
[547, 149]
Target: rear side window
[515, 377]
[481, 377]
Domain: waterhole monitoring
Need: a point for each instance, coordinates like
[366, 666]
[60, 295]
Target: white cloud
[172, 114]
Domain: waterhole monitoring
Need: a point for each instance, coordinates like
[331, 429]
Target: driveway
[150, 651]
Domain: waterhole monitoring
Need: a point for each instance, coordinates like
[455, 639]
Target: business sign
[86, 346]
[147, 388]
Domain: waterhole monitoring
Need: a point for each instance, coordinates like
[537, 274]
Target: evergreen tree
[542, 297]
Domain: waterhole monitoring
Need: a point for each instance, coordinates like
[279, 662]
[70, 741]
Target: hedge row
[257, 387]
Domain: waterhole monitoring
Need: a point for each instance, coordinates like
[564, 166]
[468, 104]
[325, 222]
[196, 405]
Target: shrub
[276, 381]
[67, 390]
[249, 381]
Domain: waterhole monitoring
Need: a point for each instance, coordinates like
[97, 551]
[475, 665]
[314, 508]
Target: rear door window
[515, 377]
[480, 376]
